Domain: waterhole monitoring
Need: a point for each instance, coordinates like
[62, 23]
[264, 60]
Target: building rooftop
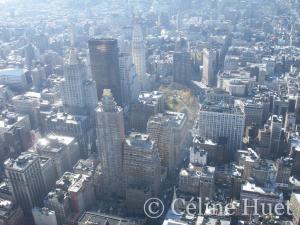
[102, 219]
[220, 107]
[140, 140]
[67, 118]
[12, 72]
[171, 119]
[198, 171]
[150, 98]
[212, 221]
[58, 195]
[25, 160]
[10, 119]
[53, 143]
[86, 166]
[7, 208]
[251, 187]
[30, 95]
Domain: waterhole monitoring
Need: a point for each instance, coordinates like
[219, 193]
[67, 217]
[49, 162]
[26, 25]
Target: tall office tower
[297, 108]
[38, 75]
[27, 104]
[15, 132]
[276, 126]
[143, 171]
[209, 67]
[130, 85]
[139, 54]
[182, 67]
[253, 112]
[148, 104]
[169, 131]
[110, 138]
[78, 92]
[31, 54]
[218, 121]
[25, 177]
[104, 60]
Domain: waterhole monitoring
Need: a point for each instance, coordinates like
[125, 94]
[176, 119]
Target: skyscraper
[182, 67]
[209, 67]
[104, 62]
[139, 53]
[222, 121]
[142, 170]
[276, 126]
[130, 85]
[26, 180]
[110, 138]
[78, 92]
[169, 131]
[142, 162]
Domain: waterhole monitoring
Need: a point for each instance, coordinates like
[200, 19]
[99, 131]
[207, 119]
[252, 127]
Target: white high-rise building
[130, 85]
[139, 53]
[209, 67]
[110, 138]
[78, 91]
[222, 122]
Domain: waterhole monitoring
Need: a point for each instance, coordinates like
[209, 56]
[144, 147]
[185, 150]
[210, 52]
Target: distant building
[14, 78]
[44, 216]
[182, 67]
[263, 195]
[198, 180]
[78, 92]
[139, 54]
[63, 151]
[80, 188]
[253, 112]
[38, 75]
[28, 104]
[143, 171]
[217, 121]
[15, 133]
[25, 177]
[78, 126]
[97, 218]
[209, 67]
[59, 201]
[149, 104]
[284, 167]
[130, 85]
[295, 208]
[169, 131]
[104, 62]
[276, 127]
[10, 213]
[215, 150]
[91, 168]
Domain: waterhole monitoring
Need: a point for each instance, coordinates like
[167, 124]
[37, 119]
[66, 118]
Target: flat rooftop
[140, 140]
[220, 107]
[102, 219]
[20, 164]
[54, 143]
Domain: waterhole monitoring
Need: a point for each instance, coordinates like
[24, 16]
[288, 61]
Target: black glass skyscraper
[104, 62]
